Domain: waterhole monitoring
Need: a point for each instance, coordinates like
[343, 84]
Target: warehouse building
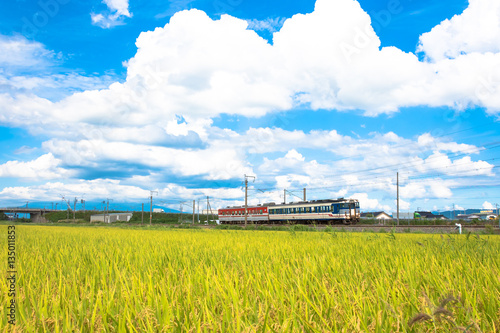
[111, 217]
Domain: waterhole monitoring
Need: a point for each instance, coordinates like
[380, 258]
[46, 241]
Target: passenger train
[327, 211]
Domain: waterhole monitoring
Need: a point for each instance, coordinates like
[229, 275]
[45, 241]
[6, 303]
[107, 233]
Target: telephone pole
[305, 194]
[208, 205]
[74, 209]
[284, 196]
[246, 197]
[151, 206]
[397, 195]
[498, 216]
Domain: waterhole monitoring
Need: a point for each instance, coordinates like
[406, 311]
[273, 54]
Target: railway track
[418, 226]
[370, 226]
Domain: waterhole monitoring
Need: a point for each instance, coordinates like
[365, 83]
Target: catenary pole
[246, 200]
[397, 186]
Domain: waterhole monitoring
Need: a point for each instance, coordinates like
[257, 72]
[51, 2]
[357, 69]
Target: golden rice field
[117, 280]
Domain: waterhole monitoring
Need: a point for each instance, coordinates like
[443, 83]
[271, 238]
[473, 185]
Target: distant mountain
[450, 214]
[97, 206]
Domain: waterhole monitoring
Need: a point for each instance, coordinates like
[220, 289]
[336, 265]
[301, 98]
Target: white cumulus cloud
[488, 205]
[44, 167]
[117, 11]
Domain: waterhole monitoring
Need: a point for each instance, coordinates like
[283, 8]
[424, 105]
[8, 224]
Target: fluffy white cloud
[403, 205]
[454, 208]
[19, 52]
[427, 141]
[212, 163]
[118, 10]
[53, 86]
[439, 162]
[20, 56]
[119, 6]
[476, 30]
[368, 204]
[488, 205]
[330, 58]
[44, 167]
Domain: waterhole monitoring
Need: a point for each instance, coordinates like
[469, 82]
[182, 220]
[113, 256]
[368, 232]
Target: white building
[112, 217]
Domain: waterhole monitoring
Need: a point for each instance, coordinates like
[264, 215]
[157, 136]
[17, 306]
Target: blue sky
[114, 98]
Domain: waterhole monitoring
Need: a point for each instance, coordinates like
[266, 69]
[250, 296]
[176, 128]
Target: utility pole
[180, 214]
[104, 210]
[74, 209]
[207, 209]
[498, 216]
[246, 197]
[305, 194]
[397, 194]
[151, 206]
[284, 196]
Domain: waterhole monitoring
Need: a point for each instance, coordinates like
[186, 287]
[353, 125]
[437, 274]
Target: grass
[111, 279]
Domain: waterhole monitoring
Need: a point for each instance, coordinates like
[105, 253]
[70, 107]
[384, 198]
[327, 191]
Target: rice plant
[121, 280]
